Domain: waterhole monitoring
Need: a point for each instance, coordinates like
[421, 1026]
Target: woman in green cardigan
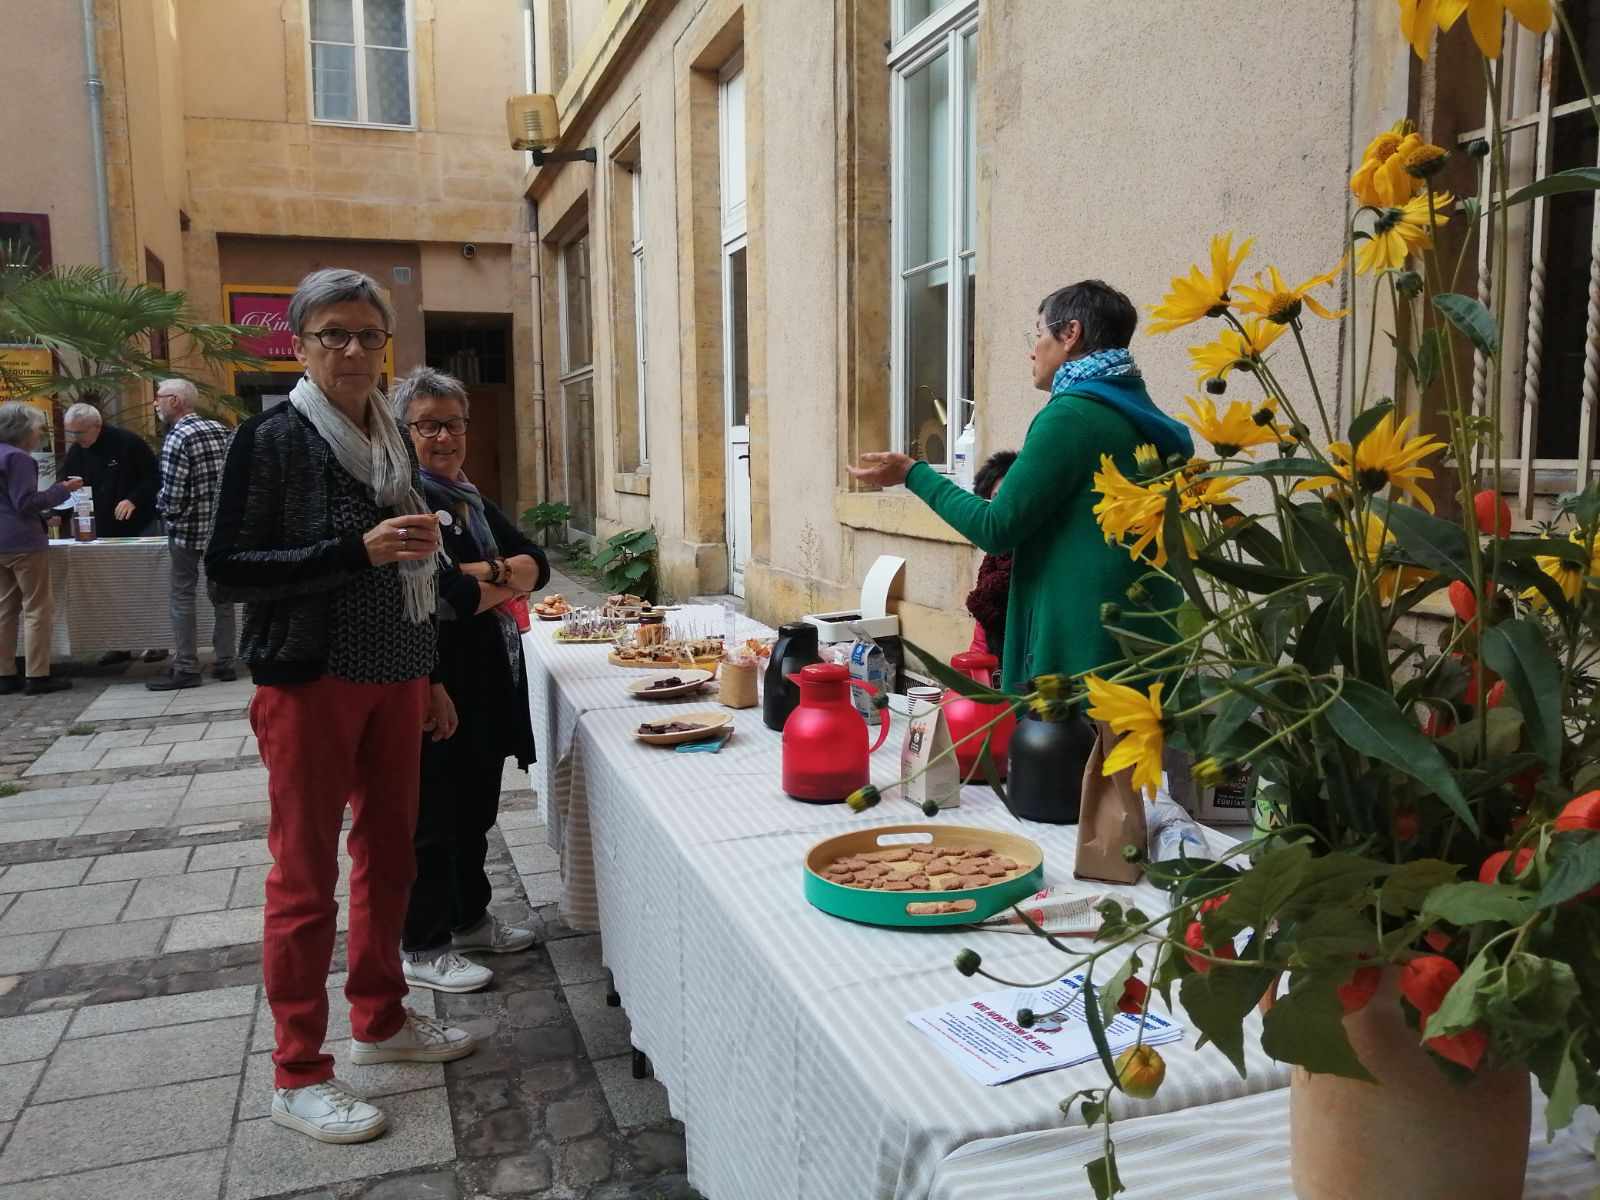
[1063, 569]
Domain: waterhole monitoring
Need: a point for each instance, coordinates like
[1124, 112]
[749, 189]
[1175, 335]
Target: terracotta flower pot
[1418, 1135]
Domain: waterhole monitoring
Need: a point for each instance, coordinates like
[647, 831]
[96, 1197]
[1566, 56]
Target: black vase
[796, 647]
[1045, 771]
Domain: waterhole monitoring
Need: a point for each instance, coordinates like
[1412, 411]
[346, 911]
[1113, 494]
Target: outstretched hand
[882, 468]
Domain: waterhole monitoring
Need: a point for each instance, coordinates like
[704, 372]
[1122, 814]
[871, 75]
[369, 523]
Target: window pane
[578, 343]
[927, 310]
[737, 332]
[578, 400]
[333, 82]
[913, 12]
[388, 87]
[385, 22]
[732, 134]
[969, 349]
[969, 145]
[925, 172]
[1566, 297]
[1586, 25]
[332, 21]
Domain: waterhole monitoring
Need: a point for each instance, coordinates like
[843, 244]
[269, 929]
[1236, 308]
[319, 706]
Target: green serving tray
[889, 908]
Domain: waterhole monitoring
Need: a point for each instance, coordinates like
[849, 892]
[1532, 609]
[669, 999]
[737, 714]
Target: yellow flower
[1423, 160]
[1197, 295]
[1568, 576]
[1401, 231]
[1126, 508]
[1280, 303]
[1385, 458]
[1208, 493]
[1418, 19]
[1382, 180]
[1148, 459]
[1236, 430]
[1234, 350]
[1137, 718]
[1390, 579]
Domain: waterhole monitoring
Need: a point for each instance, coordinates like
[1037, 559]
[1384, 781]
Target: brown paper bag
[1111, 817]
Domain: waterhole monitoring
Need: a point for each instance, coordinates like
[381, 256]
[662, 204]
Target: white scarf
[377, 458]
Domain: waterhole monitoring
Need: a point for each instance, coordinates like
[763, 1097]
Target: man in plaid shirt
[191, 472]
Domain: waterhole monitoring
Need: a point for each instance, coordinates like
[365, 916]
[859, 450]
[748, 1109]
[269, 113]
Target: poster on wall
[267, 306]
[21, 367]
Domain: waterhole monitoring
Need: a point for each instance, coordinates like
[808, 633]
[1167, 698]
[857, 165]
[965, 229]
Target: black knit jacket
[273, 547]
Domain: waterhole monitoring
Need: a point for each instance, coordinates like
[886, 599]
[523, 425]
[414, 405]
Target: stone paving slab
[110, 943]
[577, 959]
[138, 864]
[250, 853]
[67, 908]
[267, 1160]
[142, 1058]
[33, 831]
[101, 1131]
[229, 927]
[26, 951]
[174, 895]
[99, 1019]
[182, 1177]
[31, 876]
[16, 1081]
[633, 1102]
[604, 1029]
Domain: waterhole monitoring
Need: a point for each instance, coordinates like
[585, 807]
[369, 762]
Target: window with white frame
[361, 62]
[640, 356]
[933, 98]
[577, 380]
[1549, 371]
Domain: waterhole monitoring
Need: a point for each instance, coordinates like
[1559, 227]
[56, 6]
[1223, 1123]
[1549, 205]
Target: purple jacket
[22, 504]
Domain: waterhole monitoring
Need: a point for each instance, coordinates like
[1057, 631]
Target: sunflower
[1385, 458]
[1127, 509]
[1280, 303]
[1208, 493]
[1391, 579]
[1423, 160]
[1234, 350]
[1137, 718]
[1236, 430]
[1569, 577]
[1400, 231]
[1382, 180]
[1196, 295]
[1418, 19]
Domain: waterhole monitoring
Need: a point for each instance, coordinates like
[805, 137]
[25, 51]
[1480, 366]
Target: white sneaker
[446, 972]
[421, 1039]
[328, 1111]
[493, 936]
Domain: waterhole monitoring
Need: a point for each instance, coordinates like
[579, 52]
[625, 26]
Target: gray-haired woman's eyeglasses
[334, 338]
[455, 427]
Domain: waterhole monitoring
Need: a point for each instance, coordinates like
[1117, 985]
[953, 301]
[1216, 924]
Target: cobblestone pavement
[134, 1037]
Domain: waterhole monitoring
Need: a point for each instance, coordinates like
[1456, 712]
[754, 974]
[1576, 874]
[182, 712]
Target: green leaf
[1430, 356]
[1190, 620]
[1247, 577]
[1322, 547]
[1092, 1111]
[1471, 318]
[1097, 1027]
[1369, 722]
[1305, 1027]
[948, 676]
[1406, 889]
[1530, 550]
[1333, 880]
[1516, 651]
[1322, 635]
[1103, 1177]
[1575, 859]
[1464, 1003]
[1574, 179]
[1470, 903]
[1332, 937]
[991, 772]
[1218, 1003]
[1261, 891]
[1563, 1094]
[1178, 564]
[636, 570]
[1366, 421]
[1427, 541]
[1272, 467]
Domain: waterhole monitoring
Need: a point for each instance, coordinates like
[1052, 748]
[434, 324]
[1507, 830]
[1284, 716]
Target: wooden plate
[889, 908]
[542, 617]
[694, 680]
[706, 723]
[707, 663]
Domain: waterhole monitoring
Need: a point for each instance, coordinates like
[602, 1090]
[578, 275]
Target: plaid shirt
[191, 473]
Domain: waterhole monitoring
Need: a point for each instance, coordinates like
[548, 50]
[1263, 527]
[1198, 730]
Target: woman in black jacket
[486, 562]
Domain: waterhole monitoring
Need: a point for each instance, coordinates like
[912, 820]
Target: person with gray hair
[321, 531]
[191, 473]
[118, 465]
[25, 551]
[487, 564]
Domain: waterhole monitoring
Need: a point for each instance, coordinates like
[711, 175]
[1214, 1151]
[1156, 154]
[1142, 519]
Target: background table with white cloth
[780, 1032]
[115, 594]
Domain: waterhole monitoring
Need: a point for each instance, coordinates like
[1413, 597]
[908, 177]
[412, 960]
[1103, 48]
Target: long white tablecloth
[780, 1031]
[115, 594]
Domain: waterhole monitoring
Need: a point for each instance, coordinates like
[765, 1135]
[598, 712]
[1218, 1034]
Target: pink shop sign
[269, 310]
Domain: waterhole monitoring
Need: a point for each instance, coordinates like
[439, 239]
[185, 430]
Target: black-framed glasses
[455, 427]
[334, 338]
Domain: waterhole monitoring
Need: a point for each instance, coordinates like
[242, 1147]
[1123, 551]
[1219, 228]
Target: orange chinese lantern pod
[1493, 513]
[1195, 938]
[1426, 979]
[1581, 813]
[1497, 693]
[1463, 601]
[1489, 872]
[1406, 824]
[1135, 995]
[1361, 987]
[1437, 724]
[1438, 940]
[1466, 1048]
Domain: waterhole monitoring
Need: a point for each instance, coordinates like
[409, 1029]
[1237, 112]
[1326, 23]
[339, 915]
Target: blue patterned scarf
[1115, 382]
[1096, 365]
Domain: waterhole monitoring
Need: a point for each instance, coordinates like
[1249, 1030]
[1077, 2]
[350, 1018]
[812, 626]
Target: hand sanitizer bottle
[965, 451]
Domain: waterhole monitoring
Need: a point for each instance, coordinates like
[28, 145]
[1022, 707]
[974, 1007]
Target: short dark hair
[1107, 316]
[992, 472]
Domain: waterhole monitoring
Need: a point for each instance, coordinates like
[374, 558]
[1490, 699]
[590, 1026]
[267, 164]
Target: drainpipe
[536, 273]
[97, 132]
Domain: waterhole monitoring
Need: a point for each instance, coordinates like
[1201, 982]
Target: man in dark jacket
[119, 467]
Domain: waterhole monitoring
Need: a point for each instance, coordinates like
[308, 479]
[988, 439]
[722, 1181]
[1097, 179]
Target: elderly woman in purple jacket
[24, 551]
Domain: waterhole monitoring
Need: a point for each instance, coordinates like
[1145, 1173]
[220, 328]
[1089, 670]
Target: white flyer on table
[981, 1035]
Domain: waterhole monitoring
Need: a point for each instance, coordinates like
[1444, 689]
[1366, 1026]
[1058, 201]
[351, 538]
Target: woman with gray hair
[25, 551]
[486, 562]
[322, 533]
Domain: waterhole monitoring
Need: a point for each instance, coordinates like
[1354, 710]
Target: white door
[735, 323]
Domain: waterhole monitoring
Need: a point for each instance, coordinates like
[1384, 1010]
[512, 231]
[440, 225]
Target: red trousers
[327, 744]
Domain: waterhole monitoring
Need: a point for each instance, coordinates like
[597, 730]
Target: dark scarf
[465, 501]
[987, 601]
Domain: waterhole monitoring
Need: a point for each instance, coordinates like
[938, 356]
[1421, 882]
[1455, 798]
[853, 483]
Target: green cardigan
[1062, 568]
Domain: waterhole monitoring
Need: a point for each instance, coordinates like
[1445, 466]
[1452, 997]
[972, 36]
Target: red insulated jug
[825, 746]
[966, 716]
